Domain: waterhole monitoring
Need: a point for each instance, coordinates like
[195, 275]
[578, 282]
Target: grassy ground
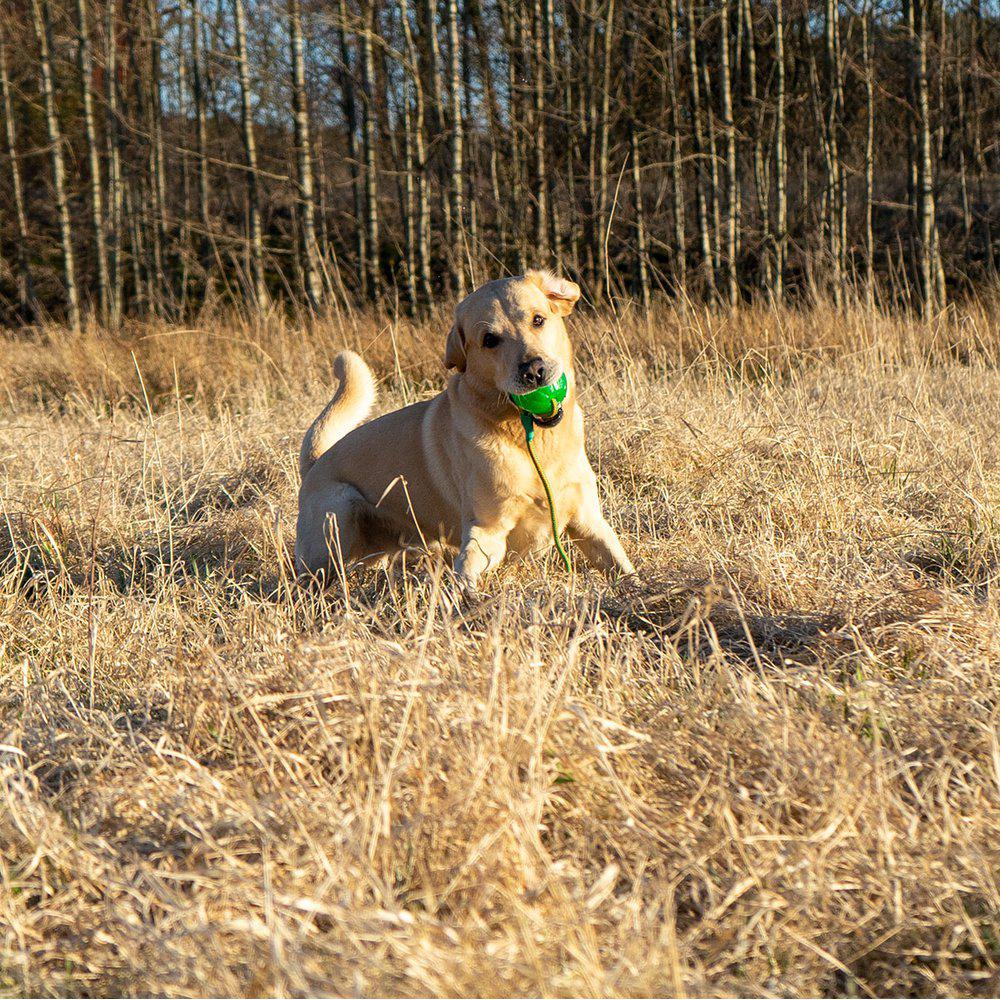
[772, 767]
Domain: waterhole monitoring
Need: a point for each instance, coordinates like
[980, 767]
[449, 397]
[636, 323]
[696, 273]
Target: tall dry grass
[772, 767]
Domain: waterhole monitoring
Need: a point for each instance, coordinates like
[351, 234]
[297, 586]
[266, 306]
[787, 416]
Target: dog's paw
[461, 598]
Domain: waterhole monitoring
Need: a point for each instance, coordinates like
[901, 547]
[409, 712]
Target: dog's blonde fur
[455, 467]
[351, 403]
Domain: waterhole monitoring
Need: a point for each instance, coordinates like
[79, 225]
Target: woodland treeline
[160, 157]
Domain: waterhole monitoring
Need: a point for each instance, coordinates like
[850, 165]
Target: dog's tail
[350, 405]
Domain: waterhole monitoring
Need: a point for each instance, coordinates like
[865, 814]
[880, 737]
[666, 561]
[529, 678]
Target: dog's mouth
[548, 421]
[517, 386]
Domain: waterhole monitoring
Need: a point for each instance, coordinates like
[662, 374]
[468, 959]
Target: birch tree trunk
[866, 49]
[437, 92]
[541, 177]
[423, 228]
[698, 134]
[641, 262]
[304, 170]
[116, 272]
[457, 179]
[25, 289]
[834, 191]
[41, 20]
[156, 160]
[732, 288]
[201, 140]
[410, 224]
[677, 165]
[350, 109]
[780, 157]
[761, 183]
[494, 128]
[512, 44]
[603, 221]
[925, 165]
[255, 233]
[86, 65]
[714, 193]
[555, 226]
[368, 138]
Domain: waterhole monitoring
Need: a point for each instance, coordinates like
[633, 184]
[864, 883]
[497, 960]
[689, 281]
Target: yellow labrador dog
[455, 468]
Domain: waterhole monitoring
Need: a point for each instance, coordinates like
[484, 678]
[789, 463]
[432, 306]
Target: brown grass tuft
[770, 768]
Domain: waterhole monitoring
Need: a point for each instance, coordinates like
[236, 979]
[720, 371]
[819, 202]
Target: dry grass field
[771, 767]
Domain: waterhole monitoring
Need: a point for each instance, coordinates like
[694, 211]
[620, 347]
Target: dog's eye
[490, 339]
[538, 320]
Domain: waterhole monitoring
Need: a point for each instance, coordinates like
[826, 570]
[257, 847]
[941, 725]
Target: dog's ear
[454, 349]
[562, 294]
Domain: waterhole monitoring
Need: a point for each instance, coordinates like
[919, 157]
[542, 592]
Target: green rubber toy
[543, 401]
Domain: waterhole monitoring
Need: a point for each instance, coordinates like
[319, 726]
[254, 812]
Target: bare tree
[86, 65]
[638, 208]
[255, 235]
[698, 135]
[422, 263]
[369, 117]
[440, 140]
[732, 208]
[926, 233]
[457, 179]
[303, 158]
[26, 294]
[676, 164]
[41, 20]
[780, 157]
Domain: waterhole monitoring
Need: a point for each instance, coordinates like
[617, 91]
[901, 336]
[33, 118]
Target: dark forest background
[162, 158]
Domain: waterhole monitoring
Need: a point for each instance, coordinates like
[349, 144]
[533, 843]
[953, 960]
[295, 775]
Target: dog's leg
[329, 532]
[483, 548]
[597, 539]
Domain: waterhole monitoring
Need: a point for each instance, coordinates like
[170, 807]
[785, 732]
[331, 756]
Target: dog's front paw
[463, 596]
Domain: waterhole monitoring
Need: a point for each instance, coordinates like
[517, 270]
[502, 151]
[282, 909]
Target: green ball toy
[544, 401]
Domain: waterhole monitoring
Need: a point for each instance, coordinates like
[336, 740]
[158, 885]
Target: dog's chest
[533, 529]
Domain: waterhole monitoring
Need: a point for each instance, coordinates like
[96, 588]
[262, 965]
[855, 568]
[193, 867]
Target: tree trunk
[641, 262]
[926, 233]
[494, 128]
[834, 175]
[350, 109]
[512, 40]
[86, 65]
[201, 139]
[437, 90]
[603, 221]
[255, 233]
[780, 157]
[713, 164]
[304, 170]
[116, 271]
[758, 110]
[698, 133]
[423, 228]
[555, 226]
[866, 46]
[732, 288]
[157, 167]
[457, 179]
[369, 144]
[541, 177]
[676, 166]
[25, 289]
[40, 17]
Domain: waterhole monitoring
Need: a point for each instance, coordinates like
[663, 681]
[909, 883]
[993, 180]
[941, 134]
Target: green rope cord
[529, 434]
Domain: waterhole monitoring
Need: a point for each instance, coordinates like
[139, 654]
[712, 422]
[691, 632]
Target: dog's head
[509, 334]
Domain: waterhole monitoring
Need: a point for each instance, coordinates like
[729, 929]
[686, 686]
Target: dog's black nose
[533, 372]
